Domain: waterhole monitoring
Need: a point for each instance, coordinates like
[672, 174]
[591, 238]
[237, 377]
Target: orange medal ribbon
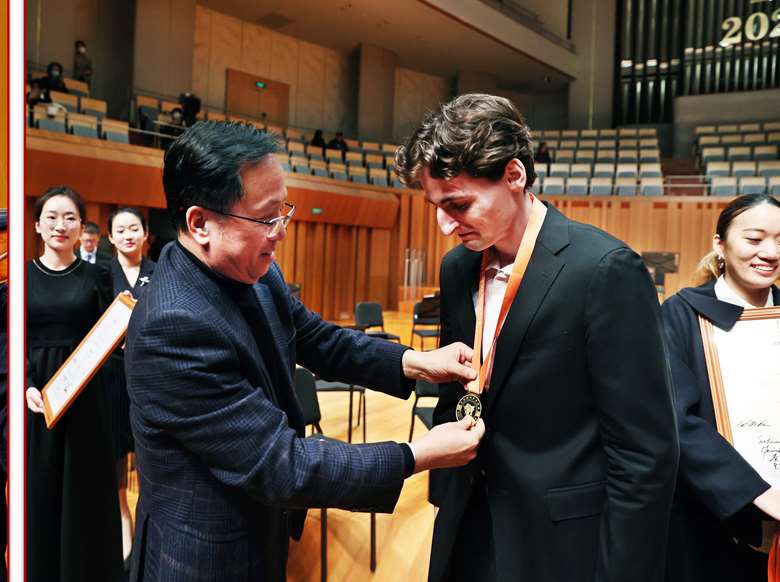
[519, 267]
[773, 567]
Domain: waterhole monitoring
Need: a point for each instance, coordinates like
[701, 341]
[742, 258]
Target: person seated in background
[543, 154]
[35, 95]
[338, 143]
[88, 250]
[318, 141]
[174, 127]
[82, 64]
[52, 81]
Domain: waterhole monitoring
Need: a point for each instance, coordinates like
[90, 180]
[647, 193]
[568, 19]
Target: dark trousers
[473, 555]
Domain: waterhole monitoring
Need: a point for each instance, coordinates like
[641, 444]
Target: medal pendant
[469, 405]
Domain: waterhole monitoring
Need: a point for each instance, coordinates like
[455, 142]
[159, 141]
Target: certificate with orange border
[75, 373]
[743, 366]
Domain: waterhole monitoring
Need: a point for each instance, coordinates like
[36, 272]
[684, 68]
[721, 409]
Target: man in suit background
[90, 241]
[226, 475]
[574, 479]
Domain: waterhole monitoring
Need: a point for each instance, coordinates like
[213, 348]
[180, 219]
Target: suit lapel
[544, 267]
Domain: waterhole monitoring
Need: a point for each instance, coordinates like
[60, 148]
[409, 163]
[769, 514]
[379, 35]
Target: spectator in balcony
[82, 64]
[338, 143]
[35, 94]
[174, 128]
[51, 82]
[318, 141]
[543, 154]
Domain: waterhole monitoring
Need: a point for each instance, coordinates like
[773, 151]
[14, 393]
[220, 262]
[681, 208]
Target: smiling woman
[720, 500]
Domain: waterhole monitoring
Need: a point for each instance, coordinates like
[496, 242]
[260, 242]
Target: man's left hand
[451, 363]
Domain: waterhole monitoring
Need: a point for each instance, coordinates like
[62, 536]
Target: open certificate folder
[744, 373]
[75, 373]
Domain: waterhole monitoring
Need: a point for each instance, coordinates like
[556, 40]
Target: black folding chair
[426, 313]
[423, 389]
[307, 396]
[369, 314]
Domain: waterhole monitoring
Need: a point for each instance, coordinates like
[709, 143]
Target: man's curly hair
[475, 133]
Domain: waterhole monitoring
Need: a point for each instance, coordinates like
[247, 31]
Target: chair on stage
[368, 314]
[426, 313]
[423, 389]
[307, 395]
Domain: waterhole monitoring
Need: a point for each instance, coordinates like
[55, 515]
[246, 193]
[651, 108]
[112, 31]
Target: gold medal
[469, 405]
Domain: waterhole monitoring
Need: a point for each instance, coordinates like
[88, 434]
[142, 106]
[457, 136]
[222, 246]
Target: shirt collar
[724, 292]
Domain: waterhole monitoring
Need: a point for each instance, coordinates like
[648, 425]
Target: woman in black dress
[130, 272]
[73, 527]
[720, 501]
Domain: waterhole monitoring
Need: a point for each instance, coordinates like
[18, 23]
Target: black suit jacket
[225, 473]
[580, 455]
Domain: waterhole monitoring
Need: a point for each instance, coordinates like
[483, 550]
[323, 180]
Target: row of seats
[351, 158]
[603, 144]
[78, 88]
[739, 169]
[750, 139]
[339, 171]
[575, 186]
[738, 154]
[77, 124]
[593, 133]
[732, 185]
[600, 170]
[727, 128]
[77, 104]
[607, 155]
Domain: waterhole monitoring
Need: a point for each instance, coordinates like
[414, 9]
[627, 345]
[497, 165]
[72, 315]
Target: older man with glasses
[226, 473]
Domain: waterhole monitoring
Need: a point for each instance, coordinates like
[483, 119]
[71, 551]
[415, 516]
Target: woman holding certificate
[73, 526]
[129, 272]
[722, 504]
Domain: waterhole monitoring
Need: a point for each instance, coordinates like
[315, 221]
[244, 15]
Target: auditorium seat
[773, 186]
[739, 153]
[96, 107]
[771, 126]
[353, 144]
[754, 139]
[587, 156]
[83, 125]
[731, 139]
[375, 161]
[78, 88]
[713, 155]
[626, 171]
[563, 157]
[300, 166]
[610, 133]
[740, 169]
[601, 186]
[580, 170]
[607, 144]
[651, 186]
[577, 186]
[68, 101]
[606, 155]
[625, 186]
[115, 130]
[650, 171]
[604, 170]
[768, 152]
[332, 155]
[148, 108]
[718, 169]
[559, 170]
[358, 178]
[553, 186]
[354, 159]
[748, 127]
[540, 169]
[752, 185]
[589, 133]
[536, 188]
[587, 144]
[724, 186]
[709, 141]
[769, 168]
[43, 118]
[294, 134]
[649, 155]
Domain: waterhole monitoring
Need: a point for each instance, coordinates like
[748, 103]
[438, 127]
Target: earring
[721, 263]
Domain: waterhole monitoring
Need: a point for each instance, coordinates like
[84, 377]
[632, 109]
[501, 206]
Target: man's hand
[34, 400]
[451, 363]
[769, 502]
[452, 444]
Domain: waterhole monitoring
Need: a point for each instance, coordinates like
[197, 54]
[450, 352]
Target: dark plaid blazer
[225, 475]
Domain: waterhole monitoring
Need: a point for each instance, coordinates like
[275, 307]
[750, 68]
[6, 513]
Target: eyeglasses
[67, 221]
[275, 224]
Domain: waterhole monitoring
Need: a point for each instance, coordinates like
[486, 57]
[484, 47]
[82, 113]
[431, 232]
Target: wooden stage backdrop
[347, 242]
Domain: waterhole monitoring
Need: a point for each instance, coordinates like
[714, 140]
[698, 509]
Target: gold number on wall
[776, 29]
[732, 26]
[750, 26]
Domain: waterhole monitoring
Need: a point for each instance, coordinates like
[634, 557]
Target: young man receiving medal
[574, 478]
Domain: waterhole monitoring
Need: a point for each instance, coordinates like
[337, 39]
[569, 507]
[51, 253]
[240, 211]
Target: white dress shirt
[88, 257]
[495, 288]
